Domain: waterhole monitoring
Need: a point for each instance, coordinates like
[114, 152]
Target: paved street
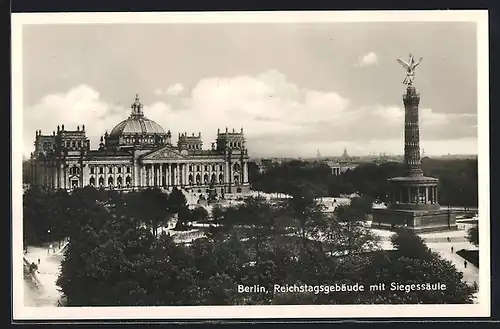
[438, 242]
[43, 292]
[471, 272]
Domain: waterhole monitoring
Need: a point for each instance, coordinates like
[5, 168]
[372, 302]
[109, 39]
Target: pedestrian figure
[452, 249]
[38, 261]
[448, 239]
[465, 263]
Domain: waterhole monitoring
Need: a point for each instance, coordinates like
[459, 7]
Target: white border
[20, 312]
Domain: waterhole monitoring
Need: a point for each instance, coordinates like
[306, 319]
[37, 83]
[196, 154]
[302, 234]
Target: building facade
[138, 154]
[339, 168]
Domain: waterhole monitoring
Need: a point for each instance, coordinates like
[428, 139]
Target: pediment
[165, 153]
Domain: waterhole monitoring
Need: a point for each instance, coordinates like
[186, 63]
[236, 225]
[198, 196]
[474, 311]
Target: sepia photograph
[250, 165]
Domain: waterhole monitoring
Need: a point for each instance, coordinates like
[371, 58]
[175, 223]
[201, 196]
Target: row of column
[177, 174]
[414, 194]
[165, 174]
[56, 176]
[48, 175]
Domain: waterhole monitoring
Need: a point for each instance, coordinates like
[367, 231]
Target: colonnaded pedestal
[139, 154]
[413, 199]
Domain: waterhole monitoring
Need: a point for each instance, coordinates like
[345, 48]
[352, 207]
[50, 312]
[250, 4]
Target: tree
[184, 218]
[473, 235]
[307, 212]
[150, 207]
[113, 261]
[199, 214]
[414, 262]
[176, 200]
[26, 171]
[459, 179]
[255, 221]
[42, 212]
[408, 244]
[363, 204]
[347, 234]
[217, 214]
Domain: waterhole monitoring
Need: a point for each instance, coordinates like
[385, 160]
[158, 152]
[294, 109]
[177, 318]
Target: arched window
[92, 181]
[236, 179]
[198, 179]
[213, 179]
[110, 181]
[74, 170]
[221, 179]
[119, 181]
[101, 181]
[190, 179]
[110, 170]
[128, 181]
[236, 167]
[205, 179]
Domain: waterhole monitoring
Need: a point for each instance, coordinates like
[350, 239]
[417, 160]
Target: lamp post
[449, 216]
[48, 241]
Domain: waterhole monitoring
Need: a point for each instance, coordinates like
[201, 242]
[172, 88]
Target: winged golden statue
[410, 68]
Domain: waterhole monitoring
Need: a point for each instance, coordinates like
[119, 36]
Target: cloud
[369, 59]
[279, 117]
[78, 106]
[172, 90]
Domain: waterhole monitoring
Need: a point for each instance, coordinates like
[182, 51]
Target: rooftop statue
[410, 69]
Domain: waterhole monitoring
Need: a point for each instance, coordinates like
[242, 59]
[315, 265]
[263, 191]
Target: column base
[433, 220]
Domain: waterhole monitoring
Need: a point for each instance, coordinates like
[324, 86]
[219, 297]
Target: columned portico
[415, 193]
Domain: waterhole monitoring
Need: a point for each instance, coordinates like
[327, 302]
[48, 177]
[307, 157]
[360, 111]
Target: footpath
[441, 243]
[470, 272]
[41, 289]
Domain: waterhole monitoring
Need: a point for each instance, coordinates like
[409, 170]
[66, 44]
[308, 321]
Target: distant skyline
[294, 88]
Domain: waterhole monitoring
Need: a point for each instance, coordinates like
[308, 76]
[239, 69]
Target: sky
[295, 88]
